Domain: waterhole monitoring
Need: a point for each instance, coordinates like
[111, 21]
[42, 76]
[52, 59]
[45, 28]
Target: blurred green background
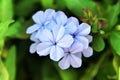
[16, 63]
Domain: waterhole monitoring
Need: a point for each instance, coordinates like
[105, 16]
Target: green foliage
[16, 63]
[115, 41]
[3, 72]
[10, 63]
[76, 6]
[6, 10]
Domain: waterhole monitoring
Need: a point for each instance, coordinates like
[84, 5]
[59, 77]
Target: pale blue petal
[88, 52]
[33, 28]
[70, 28]
[33, 38]
[43, 49]
[39, 17]
[66, 41]
[74, 20]
[83, 29]
[60, 33]
[49, 14]
[83, 40]
[89, 37]
[76, 47]
[64, 63]
[60, 18]
[33, 48]
[75, 61]
[45, 35]
[56, 53]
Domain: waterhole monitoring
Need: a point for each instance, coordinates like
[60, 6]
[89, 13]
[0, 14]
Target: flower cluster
[63, 38]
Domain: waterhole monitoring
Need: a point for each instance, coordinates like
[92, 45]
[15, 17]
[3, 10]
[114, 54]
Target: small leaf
[3, 72]
[10, 63]
[115, 42]
[98, 43]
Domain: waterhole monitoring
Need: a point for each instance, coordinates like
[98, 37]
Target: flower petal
[49, 13]
[74, 20]
[76, 47]
[43, 49]
[75, 61]
[64, 63]
[33, 48]
[56, 53]
[90, 38]
[83, 40]
[84, 29]
[60, 33]
[88, 52]
[70, 28]
[45, 35]
[60, 18]
[66, 41]
[39, 17]
[33, 28]
[33, 38]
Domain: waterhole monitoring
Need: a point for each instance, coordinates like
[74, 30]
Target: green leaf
[10, 63]
[115, 42]
[113, 17]
[6, 10]
[116, 64]
[3, 72]
[4, 27]
[17, 30]
[98, 43]
[76, 6]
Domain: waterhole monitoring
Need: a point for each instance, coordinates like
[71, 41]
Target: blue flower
[63, 38]
[42, 20]
[53, 43]
[72, 57]
[81, 34]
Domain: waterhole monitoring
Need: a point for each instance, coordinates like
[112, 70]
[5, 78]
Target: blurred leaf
[4, 27]
[98, 43]
[3, 72]
[47, 72]
[114, 12]
[10, 62]
[76, 6]
[6, 10]
[18, 30]
[116, 64]
[25, 8]
[115, 42]
[106, 71]
[92, 70]
[48, 3]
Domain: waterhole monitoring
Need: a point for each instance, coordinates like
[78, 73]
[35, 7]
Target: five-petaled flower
[63, 38]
